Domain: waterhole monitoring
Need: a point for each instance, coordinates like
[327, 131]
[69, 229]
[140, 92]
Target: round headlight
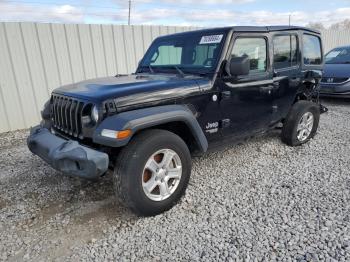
[94, 114]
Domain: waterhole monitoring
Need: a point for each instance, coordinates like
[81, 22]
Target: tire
[300, 111]
[131, 174]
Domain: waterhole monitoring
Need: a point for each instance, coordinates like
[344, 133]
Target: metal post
[290, 15]
[129, 12]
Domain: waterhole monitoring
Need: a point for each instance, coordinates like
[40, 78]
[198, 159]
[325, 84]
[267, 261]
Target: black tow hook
[323, 109]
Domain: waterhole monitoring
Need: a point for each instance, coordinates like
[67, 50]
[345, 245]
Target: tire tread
[288, 135]
[120, 181]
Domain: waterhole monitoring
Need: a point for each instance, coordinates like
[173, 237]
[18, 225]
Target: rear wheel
[152, 172]
[301, 123]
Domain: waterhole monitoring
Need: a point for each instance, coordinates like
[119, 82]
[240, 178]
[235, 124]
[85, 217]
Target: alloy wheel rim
[305, 126]
[161, 175]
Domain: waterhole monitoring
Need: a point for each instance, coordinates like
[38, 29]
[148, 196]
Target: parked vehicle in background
[192, 92]
[336, 75]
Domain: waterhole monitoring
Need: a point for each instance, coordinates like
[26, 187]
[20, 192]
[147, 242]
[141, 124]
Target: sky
[204, 13]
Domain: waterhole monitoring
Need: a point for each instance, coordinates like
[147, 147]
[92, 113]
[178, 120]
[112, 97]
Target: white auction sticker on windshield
[211, 39]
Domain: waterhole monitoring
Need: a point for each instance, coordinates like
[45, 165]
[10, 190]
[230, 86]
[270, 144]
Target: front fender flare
[139, 119]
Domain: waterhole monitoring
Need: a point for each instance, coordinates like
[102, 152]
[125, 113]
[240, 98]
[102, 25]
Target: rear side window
[312, 50]
[285, 51]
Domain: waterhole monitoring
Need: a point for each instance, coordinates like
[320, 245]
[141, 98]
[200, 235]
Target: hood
[336, 70]
[131, 88]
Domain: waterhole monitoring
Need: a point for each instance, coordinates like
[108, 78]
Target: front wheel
[152, 172]
[301, 123]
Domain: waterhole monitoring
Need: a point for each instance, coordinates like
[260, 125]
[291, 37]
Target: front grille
[66, 114]
[334, 80]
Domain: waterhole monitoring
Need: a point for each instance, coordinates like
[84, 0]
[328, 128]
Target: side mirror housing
[239, 66]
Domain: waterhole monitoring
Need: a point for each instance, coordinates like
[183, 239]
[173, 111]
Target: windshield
[338, 56]
[187, 53]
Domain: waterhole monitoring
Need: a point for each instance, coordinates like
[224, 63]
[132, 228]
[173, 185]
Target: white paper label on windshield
[211, 39]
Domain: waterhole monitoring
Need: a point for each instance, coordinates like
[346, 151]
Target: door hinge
[274, 108]
[225, 123]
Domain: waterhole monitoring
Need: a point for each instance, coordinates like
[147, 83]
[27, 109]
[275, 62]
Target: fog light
[116, 134]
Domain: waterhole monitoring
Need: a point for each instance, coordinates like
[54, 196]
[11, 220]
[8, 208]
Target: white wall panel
[118, 33]
[61, 52]
[138, 40]
[23, 77]
[88, 58]
[48, 55]
[109, 49]
[74, 52]
[98, 50]
[131, 60]
[9, 92]
[35, 65]
[36, 58]
[147, 37]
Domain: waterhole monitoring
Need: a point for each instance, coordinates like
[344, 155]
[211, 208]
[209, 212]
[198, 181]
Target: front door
[246, 101]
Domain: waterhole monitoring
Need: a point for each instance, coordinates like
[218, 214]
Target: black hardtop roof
[252, 29]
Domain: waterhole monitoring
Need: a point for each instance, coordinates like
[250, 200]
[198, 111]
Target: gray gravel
[260, 200]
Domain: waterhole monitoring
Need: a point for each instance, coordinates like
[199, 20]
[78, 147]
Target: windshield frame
[340, 49]
[187, 70]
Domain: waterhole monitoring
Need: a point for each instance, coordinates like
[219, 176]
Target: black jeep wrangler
[191, 92]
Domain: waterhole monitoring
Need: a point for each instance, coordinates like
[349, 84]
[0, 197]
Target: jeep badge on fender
[192, 92]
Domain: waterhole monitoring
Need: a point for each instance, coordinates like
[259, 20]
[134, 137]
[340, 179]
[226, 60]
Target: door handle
[267, 89]
[226, 94]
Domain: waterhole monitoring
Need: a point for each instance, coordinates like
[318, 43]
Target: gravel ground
[260, 200]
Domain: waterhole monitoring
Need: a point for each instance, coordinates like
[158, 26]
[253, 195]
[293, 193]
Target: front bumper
[67, 156]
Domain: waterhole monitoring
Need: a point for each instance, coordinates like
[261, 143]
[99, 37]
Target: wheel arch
[175, 118]
[181, 129]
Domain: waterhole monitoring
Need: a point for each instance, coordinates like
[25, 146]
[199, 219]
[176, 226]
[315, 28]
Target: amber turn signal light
[123, 134]
[116, 134]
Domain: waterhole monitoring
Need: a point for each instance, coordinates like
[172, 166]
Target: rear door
[246, 102]
[287, 73]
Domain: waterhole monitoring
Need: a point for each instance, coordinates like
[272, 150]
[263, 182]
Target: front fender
[140, 119]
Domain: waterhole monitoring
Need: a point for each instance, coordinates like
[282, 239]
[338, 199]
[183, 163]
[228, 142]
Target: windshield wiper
[150, 69]
[179, 71]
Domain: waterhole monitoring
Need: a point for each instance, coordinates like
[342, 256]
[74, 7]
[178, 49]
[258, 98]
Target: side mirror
[239, 66]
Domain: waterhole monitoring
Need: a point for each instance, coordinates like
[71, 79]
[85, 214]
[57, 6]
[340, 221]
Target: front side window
[285, 51]
[312, 50]
[191, 53]
[255, 49]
